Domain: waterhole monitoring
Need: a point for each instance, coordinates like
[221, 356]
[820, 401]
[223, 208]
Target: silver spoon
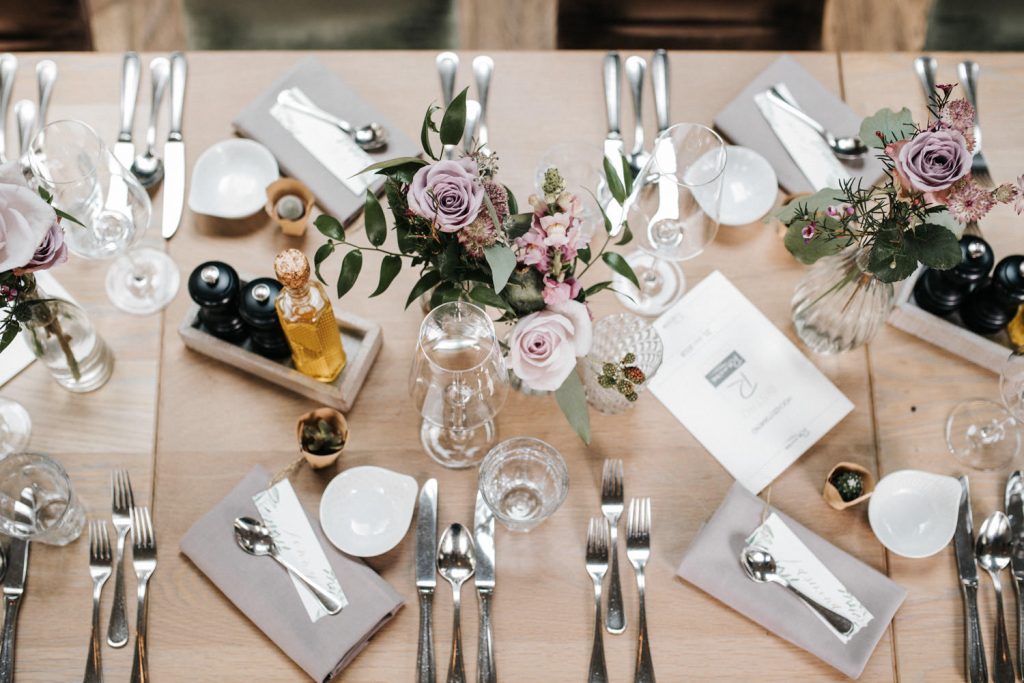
[46, 76]
[456, 563]
[255, 539]
[844, 148]
[483, 70]
[993, 547]
[760, 566]
[370, 137]
[147, 167]
[472, 120]
[636, 67]
[25, 115]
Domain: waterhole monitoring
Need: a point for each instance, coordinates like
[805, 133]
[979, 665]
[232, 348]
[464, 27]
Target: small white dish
[366, 511]
[229, 179]
[914, 513]
[749, 186]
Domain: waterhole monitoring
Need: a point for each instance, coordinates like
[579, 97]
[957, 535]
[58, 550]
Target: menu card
[740, 386]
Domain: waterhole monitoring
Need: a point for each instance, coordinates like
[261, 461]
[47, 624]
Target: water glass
[15, 427]
[37, 501]
[523, 481]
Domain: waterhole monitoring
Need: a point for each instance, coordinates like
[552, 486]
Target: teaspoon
[993, 548]
[456, 563]
[147, 167]
[370, 137]
[46, 75]
[844, 148]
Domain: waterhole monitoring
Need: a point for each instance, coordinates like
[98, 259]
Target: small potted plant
[322, 434]
[289, 204]
[848, 484]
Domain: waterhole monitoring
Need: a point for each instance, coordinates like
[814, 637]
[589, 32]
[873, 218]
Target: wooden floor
[188, 428]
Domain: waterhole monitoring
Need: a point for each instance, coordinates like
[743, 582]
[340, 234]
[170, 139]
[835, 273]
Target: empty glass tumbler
[524, 481]
[37, 501]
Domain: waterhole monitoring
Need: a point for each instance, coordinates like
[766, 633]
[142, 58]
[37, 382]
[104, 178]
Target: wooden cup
[285, 186]
[831, 493]
[338, 421]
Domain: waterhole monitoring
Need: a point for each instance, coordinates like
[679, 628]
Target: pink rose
[934, 160]
[447, 192]
[556, 293]
[545, 345]
[25, 219]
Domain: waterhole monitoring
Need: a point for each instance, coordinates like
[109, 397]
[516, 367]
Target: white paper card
[283, 514]
[333, 148]
[18, 355]
[804, 571]
[740, 386]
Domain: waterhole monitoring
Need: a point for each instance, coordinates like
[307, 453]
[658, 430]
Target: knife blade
[174, 150]
[14, 582]
[426, 579]
[124, 148]
[1015, 511]
[483, 531]
[613, 144]
[967, 570]
[808, 151]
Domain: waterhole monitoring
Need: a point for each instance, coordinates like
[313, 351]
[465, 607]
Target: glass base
[662, 284]
[982, 434]
[143, 281]
[457, 449]
[15, 427]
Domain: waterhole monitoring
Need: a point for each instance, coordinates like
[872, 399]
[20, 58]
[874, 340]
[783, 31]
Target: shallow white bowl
[749, 188]
[366, 511]
[914, 513]
[229, 180]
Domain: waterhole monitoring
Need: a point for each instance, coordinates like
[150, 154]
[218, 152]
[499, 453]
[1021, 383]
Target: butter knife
[967, 569]
[14, 583]
[483, 531]
[124, 148]
[174, 150]
[426, 579]
[1015, 511]
[613, 144]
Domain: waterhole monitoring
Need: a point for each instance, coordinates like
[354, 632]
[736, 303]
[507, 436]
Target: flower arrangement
[920, 212]
[460, 228]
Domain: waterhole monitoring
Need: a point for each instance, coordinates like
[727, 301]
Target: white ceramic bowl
[366, 511]
[749, 188]
[914, 513]
[229, 180]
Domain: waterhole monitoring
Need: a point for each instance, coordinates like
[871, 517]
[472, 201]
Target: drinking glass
[15, 427]
[579, 164]
[37, 502]
[523, 481]
[70, 161]
[984, 434]
[673, 212]
[458, 382]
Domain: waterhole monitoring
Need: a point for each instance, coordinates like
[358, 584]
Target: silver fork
[100, 569]
[968, 72]
[144, 561]
[597, 567]
[123, 502]
[611, 507]
[638, 551]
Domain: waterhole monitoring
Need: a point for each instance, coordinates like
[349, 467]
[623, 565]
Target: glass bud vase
[61, 336]
[623, 344]
[839, 305]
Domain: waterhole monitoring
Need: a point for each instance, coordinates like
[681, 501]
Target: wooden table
[189, 428]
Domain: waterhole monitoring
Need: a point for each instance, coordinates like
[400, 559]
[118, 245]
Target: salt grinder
[214, 285]
[260, 315]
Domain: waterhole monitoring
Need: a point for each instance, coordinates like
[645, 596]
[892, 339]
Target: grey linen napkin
[263, 591]
[741, 121]
[331, 94]
[712, 564]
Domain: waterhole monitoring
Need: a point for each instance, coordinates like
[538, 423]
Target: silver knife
[660, 81]
[426, 579]
[14, 583]
[613, 145]
[124, 148]
[925, 68]
[967, 569]
[809, 152]
[483, 531]
[174, 150]
[1015, 511]
[8, 70]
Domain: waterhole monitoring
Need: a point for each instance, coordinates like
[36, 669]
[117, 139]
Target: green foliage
[373, 218]
[573, 402]
[321, 438]
[453, 123]
[892, 126]
[350, 267]
[502, 261]
[617, 263]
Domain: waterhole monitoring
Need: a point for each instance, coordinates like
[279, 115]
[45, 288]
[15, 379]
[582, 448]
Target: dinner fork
[123, 502]
[100, 569]
[597, 567]
[638, 551]
[611, 507]
[968, 72]
[144, 561]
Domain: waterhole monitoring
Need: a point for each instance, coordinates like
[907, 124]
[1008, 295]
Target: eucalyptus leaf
[390, 267]
[513, 205]
[614, 182]
[453, 123]
[388, 164]
[934, 246]
[373, 218]
[423, 285]
[502, 261]
[620, 266]
[597, 287]
[350, 267]
[331, 227]
[573, 402]
[321, 255]
[482, 294]
[810, 251]
[627, 235]
[892, 125]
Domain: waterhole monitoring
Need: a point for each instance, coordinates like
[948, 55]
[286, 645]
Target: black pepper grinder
[259, 313]
[214, 285]
[991, 306]
[941, 292]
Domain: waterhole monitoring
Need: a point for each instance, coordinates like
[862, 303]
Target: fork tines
[99, 543]
[121, 487]
[611, 482]
[142, 530]
[638, 523]
[597, 541]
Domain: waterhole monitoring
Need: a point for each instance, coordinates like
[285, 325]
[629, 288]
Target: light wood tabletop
[189, 428]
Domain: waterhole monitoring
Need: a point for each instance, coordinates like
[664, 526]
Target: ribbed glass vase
[616, 337]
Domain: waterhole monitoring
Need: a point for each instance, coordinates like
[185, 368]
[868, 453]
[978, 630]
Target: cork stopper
[292, 268]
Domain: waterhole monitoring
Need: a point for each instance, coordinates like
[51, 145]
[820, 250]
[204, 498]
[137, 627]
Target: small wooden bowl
[285, 186]
[831, 493]
[337, 420]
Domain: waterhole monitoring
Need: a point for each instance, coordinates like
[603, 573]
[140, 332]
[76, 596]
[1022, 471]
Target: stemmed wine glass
[70, 161]
[15, 427]
[673, 212]
[984, 434]
[459, 382]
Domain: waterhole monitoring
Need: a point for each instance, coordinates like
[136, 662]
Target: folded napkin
[263, 591]
[741, 121]
[334, 191]
[712, 564]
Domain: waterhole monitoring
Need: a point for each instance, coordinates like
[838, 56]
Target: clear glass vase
[616, 337]
[61, 336]
[839, 305]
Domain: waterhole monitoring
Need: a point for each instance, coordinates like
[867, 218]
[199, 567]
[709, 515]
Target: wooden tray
[360, 338]
[948, 333]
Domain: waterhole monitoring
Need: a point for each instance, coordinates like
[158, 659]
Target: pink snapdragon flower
[556, 292]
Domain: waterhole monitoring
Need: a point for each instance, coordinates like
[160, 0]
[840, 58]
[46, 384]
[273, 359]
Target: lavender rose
[25, 219]
[545, 345]
[52, 252]
[934, 160]
[448, 192]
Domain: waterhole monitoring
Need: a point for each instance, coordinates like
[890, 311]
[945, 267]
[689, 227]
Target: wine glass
[458, 382]
[984, 434]
[70, 161]
[673, 212]
[15, 427]
[579, 164]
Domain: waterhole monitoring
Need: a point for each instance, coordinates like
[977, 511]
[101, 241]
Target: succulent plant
[850, 485]
[321, 438]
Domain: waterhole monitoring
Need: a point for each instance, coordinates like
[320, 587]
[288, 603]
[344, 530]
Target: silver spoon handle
[179, 73]
[636, 67]
[925, 68]
[130, 72]
[94, 665]
[836, 621]
[659, 81]
[456, 666]
[447, 65]
[784, 104]
[1002, 672]
[644, 664]
[319, 114]
[159, 73]
[612, 90]
[472, 119]
[329, 602]
[598, 667]
[46, 76]
[25, 113]
[483, 69]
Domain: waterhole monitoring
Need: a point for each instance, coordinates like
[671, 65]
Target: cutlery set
[602, 560]
[636, 69]
[476, 110]
[29, 116]
[459, 556]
